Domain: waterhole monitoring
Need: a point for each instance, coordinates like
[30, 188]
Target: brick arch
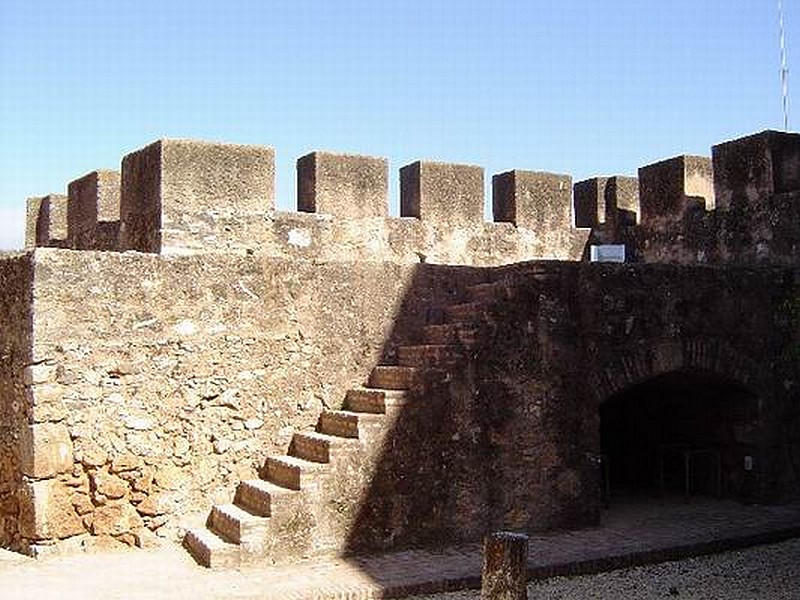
[712, 355]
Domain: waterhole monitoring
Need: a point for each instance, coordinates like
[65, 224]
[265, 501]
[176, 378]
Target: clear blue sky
[582, 87]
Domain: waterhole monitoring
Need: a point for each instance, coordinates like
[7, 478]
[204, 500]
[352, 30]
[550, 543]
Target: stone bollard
[505, 566]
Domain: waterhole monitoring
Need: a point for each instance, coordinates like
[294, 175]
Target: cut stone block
[46, 511]
[447, 195]
[93, 200]
[610, 200]
[171, 178]
[756, 166]
[33, 206]
[51, 223]
[345, 185]
[532, 200]
[669, 187]
[590, 202]
[622, 200]
[45, 450]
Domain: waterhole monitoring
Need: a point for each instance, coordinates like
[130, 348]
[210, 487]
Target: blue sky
[580, 87]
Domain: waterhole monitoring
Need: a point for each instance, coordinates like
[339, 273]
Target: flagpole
[784, 69]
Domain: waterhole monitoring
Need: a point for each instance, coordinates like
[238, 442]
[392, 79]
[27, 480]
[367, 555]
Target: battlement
[185, 197]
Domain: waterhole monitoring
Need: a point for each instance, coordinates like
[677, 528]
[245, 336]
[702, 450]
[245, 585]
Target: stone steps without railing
[238, 533]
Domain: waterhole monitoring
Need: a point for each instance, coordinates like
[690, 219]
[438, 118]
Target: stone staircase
[305, 503]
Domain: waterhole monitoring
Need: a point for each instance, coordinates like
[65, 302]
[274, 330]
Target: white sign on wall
[607, 253]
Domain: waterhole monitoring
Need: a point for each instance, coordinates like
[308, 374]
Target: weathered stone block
[93, 199]
[622, 200]
[45, 402]
[756, 166]
[51, 224]
[533, 200]
[45, 450]
[669, 187]
[33, 206]
[46, 511]
[447, 195]
[345, 185]
[41, 373]
[590, 202]
[116, 519]
[169, 179]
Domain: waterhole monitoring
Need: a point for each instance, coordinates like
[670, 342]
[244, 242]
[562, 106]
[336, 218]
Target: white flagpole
[784, 69]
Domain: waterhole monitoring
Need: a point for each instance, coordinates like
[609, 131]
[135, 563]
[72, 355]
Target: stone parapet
[173, 191]
[752, 168]
[445, 195]
[93, 211]
[345, 185]
[51, 221]
[193, 197]
[667, 189]
[33, 207]
[533, 200]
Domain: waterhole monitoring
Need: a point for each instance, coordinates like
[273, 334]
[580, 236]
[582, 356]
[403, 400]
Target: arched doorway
[686, 431]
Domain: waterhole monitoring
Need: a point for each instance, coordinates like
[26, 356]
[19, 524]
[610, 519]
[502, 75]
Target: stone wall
[16, 275]
[180, 374]
[742, 206]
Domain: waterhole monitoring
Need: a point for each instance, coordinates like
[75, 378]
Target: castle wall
[179, 374]
[741, 206]
[16, 275]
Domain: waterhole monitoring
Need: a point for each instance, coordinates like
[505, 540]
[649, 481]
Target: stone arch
[647, 361]
[709, 365]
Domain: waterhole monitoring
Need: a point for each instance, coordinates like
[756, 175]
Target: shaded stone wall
[742, 206]
[16, 275]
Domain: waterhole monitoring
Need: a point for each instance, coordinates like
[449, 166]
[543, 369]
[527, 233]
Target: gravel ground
[769, 572]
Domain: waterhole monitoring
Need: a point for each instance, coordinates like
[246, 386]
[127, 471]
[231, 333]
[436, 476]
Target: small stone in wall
[110, 486]
[221, 446]
[82, 504]
[126, 462]
[115, 519]
[253, 423]
[152, 506]
[39, 374]
[180, 447]
[137, 423]
[185, 327]
[170, 477]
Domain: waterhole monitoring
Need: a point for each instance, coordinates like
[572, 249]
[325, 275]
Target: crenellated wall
[190, 328]
[186, 197]
[741, 206]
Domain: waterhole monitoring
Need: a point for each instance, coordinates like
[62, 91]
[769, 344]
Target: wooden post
[505, 566]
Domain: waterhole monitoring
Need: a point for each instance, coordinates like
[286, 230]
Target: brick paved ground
[632, 533]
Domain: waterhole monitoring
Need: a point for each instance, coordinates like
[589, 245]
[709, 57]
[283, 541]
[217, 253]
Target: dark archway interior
[677, 430]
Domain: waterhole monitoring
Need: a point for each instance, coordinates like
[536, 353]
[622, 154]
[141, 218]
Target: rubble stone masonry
[153, 367]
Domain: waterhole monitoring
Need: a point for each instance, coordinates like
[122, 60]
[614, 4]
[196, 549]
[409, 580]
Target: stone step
[210, 550]
[487, 292]
[234, 524]
[290, 472]
[392, 377]
[374, 400]
[258, 496]
[450, 333]
[315, 446]
[468, 312]
[348, 424]
[428, 355]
